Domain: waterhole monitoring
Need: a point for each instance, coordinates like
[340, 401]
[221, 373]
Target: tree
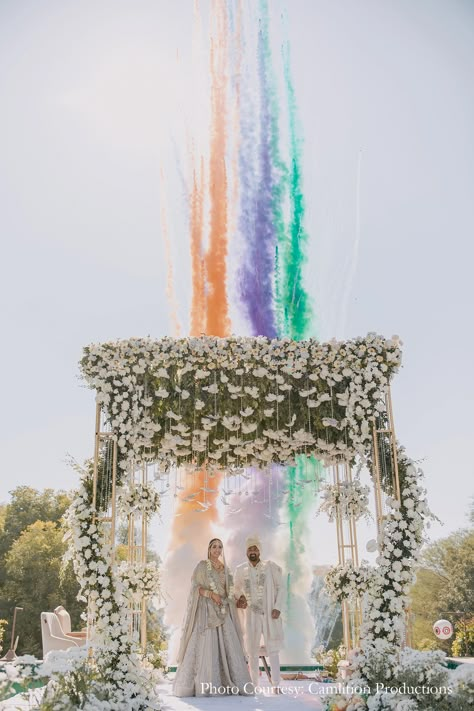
[444, 587]
[424, 610]
[3, 624]
[36, 582]
[3, 513]
[452, 559]
[28, 505]
[463, 645]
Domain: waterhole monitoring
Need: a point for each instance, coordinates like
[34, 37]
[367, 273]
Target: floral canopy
[236, 402]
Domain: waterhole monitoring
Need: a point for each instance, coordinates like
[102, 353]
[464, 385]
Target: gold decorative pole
[113, 522]
[137, 551]
[347, 552]
[143, 630]
[396, 479]
[96, 454]
[103, 506]
[376, 478]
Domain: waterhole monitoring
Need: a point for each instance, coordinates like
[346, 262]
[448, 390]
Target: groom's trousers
[274, 660]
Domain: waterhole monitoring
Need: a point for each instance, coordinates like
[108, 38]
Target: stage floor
[298, 695]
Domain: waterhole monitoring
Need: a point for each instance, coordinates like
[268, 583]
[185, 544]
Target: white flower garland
[255, 604]
[120, 660]
[212, 584]
[240, 401]
[349, 498]
[142, 498]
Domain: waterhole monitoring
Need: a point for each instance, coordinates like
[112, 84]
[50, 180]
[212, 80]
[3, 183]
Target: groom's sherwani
[263, 588]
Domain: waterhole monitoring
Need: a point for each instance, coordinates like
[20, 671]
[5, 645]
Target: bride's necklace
[217, 565]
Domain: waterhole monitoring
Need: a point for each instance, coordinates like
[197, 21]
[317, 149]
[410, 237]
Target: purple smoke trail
[256, 221]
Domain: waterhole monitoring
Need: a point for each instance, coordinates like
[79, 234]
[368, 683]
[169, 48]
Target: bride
[211, 653]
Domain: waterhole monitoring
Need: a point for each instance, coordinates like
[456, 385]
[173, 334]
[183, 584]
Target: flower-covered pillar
[137, 548]
[104, 492]
[347, 553]
[384, 459]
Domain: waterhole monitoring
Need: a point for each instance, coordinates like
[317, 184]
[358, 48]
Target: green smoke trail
[297, 316]
[295, 302]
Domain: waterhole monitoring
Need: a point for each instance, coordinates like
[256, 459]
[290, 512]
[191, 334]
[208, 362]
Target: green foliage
[3, 513]
[425, 610]
[27, 582]
[452, 559]
[444, 587]
[28, 505]
[463, 645]
[428, 645]
[35, 581]
[157, 638]
[330, 658]
[3, 624]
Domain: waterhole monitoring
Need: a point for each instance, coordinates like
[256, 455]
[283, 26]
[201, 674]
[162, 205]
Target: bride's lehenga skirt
[213, 659]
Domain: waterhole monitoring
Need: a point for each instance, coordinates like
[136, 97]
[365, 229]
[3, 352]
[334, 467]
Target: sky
[96, 100]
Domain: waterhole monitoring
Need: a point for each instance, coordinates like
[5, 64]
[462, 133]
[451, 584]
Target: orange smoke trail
[190, 530]
[170, 290]
[217, 306]
[209, 311]
[198, 304]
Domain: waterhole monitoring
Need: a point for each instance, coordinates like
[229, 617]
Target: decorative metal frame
[346, 530]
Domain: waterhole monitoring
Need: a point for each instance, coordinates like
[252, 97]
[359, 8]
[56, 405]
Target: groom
[258, 587]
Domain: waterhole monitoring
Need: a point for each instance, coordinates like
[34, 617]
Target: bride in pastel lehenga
[211, 652]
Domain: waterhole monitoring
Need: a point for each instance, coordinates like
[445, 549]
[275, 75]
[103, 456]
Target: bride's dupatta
[211, 616]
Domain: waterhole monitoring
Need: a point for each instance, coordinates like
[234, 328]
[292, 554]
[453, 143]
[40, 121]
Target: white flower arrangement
[403, 677]
[76, 679]
[350, 499]
[330, 658]
[346, 582]
[138, 580]
[142, 498]
[240, 401]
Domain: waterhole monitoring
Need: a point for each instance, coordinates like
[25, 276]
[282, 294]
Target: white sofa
[54, 636]
[65, 621]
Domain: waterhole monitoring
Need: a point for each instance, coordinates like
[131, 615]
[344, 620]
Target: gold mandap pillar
[137, 551]
[347, 552]
[104, 503]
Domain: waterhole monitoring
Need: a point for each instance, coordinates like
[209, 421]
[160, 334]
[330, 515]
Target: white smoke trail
[354, 258]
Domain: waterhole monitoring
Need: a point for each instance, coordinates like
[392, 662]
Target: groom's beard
[253, 557]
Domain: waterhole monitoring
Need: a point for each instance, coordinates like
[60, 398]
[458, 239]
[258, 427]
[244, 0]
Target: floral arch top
[236, 402]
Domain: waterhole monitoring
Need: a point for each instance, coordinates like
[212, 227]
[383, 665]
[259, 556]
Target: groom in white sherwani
[258, 587]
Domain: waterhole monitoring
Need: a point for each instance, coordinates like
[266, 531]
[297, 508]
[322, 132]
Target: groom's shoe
[277, 690]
